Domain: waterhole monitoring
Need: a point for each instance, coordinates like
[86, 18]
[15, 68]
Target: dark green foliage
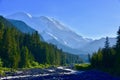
[9, 48]
[107, 43]
[108, 58]
[83, 66]
[117, 55]
[24, 61]
[1, 63]
[118, 39]
[18, 50]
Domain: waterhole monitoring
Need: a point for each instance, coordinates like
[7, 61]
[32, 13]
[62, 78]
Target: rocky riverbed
[58, 73]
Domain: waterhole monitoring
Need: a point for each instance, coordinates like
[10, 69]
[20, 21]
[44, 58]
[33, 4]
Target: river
[59, 73]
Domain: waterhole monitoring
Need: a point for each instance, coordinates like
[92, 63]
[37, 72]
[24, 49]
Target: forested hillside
[108, 58]
[18, 50]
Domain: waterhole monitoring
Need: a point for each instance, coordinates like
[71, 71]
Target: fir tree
[107, 43]
[117, 56]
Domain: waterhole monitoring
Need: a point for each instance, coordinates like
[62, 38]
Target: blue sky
[89, 18]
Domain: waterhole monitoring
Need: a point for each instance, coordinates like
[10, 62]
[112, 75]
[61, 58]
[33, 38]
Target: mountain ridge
[54, 27]
[55, 32]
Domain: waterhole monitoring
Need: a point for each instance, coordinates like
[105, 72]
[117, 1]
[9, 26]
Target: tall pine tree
[117, 61]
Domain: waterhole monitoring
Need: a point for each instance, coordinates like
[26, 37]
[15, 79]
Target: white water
[51, 70]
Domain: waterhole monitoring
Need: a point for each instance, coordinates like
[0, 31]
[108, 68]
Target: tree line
[108, 58]
[19, 50]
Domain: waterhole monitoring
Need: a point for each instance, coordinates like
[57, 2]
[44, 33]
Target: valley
[27, 51]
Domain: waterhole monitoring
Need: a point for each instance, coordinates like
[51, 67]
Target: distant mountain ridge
[21, 26]
[59, 34]
[96, 44]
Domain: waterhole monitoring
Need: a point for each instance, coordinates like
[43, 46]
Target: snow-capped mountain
[59, 34]
[51, 29]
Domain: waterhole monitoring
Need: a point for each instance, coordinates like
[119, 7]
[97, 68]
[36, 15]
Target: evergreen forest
[24, 50]
[108, 58]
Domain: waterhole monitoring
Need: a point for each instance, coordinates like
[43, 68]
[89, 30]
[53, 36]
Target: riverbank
[59, 73]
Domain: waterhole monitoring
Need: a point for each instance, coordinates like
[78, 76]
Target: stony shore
[59, 73]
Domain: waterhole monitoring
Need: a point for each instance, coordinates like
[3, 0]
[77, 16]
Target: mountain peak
[58, 24]
[20, 15]
[51, 28]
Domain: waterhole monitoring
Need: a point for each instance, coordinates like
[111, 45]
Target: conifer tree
[117, 56]
[118, 39]
[107, 43]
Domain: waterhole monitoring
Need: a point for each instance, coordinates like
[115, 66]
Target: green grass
[3, 70]
[31, 66]
[83, 66]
